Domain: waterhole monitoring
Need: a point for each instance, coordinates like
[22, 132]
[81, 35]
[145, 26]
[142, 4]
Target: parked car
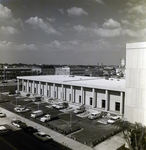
[81, 109]
[30, 129]
[37, 113]
[21, 109]
[18, 124]
[3, 130]
[61, 106]
[113, 119]
[45, 118]
[2, 115]
[42, 136]
[94, 116]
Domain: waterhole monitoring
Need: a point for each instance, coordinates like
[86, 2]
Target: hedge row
[94, 143]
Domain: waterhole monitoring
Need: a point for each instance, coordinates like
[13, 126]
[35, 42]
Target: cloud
[9, 46]
[6, 17]
[90, 31]
[111, 24]
[39, 23]
[77, 45]
[27, 47]
[75, 11]
[5, 13]
[8, 30]
[99, 1]
[51, 19]
[61, 10]
[5, 45]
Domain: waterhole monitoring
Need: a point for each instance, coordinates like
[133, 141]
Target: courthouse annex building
[93, 92]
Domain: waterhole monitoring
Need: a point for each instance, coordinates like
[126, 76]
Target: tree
[134, 134]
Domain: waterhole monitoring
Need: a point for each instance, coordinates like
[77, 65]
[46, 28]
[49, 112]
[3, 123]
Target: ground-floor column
[22, 85]
[121, 103]
[53, 90]
[106, 100]
[82, 95]
[93, 95]
[71, 93]
[32, 87]
[47, 89]
[39, 88]
[17, 84]
[27, 86]
[62, 92]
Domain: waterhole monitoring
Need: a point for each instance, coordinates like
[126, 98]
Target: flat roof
[81, 81]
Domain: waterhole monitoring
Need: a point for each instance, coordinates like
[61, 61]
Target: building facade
[65, 70]
[135, 106]
[93, 92]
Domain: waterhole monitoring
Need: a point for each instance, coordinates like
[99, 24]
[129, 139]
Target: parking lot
[81, 129]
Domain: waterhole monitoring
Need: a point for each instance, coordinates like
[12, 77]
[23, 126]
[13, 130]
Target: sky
[73, 32]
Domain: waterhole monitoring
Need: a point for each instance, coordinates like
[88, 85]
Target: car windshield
[93, 114]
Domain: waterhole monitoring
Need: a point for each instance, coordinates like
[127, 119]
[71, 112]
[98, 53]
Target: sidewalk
[110, 144]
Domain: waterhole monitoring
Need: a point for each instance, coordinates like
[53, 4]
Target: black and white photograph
[72, 74]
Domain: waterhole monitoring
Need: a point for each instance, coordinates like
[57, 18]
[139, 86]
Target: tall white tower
[135, 100]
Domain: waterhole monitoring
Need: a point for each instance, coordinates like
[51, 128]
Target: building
[12, 73]
[62, 70]
[94, 92]
[77, 70]
[48, 69]
[135, 103]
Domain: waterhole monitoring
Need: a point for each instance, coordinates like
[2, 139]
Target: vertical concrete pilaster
[93, 95]
[121, 103]
[17, 84]
[62, 92]
[106, 100]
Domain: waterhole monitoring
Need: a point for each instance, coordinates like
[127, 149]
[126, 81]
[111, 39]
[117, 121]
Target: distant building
[12, 73]
[48, 69]
[77, 70]
[62, 70]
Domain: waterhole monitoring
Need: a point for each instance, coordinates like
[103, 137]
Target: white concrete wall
[88, 94]
[68, 91]
[77, 92]
[135, 96]
[113, 97]
[99, 96]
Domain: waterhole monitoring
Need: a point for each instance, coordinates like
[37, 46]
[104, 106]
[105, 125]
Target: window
[117, 106]
[24, 88]
[103, 103]
[79, 99]
[69, 97]
[34, 90]
[29, 89]
[55, 94]
[91, 100]
[47, 92]
[41, 91]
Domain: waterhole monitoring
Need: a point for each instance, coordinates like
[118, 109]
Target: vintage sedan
[42, 136]
[3, 130]
[21, 109]
[2, 115]
[18, 124]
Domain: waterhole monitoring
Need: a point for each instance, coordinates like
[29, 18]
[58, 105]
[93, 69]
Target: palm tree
[134, 134]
